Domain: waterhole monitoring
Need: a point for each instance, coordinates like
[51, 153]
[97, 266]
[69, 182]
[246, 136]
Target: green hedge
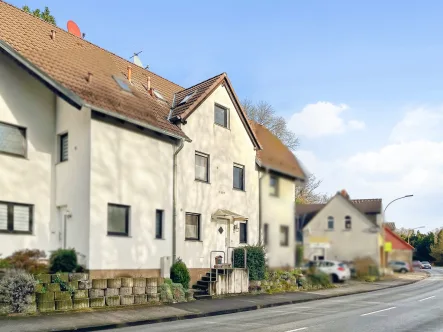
[256, 262]
[180, 273]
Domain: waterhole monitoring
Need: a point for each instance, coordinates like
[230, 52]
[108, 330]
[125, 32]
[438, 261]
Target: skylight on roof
[186, 98]
[123, 85]
[158, 95]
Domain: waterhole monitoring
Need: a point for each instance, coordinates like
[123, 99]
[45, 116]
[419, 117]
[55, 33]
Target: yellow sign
[388, 246]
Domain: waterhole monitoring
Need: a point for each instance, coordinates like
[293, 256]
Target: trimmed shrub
[4, 263]
[28, 260]
[319, 279]
[166, 293]
[180, 273]
[63, 260]
[16, 290]
[299, 255]
[256, 262]
[178, 293]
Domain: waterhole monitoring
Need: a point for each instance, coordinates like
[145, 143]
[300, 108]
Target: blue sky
[360, 82]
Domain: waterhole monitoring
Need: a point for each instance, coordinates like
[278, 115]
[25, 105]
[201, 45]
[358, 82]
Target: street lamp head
[409, 195]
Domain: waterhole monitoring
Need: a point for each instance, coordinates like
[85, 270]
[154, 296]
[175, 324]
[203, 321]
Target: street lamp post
[407, 196]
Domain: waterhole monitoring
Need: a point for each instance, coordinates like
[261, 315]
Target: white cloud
[411, 163]
[322, 119]
[421, 123]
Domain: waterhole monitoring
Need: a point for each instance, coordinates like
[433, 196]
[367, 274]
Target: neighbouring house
[397, 249]
[104, 156]
[280, 172]
[342, 229]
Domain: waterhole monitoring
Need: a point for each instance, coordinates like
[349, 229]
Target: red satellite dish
[74, 29]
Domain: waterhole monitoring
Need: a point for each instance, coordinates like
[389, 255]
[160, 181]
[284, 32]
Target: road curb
[219, 312]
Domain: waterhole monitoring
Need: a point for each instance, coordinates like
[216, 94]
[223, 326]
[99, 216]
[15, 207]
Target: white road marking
[375, 312]
[427, 298]
[300, 329]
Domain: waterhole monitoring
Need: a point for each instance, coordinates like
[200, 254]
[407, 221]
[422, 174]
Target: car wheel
[403, 271]
[334, 278]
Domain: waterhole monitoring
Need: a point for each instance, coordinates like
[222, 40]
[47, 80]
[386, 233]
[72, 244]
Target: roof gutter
[136, 122]
[61, 91]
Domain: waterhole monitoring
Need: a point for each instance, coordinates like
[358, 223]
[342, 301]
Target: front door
[222, 238]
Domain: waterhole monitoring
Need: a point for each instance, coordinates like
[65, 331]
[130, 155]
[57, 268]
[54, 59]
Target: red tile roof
[397, 241]
[274, 154]
[67, 59]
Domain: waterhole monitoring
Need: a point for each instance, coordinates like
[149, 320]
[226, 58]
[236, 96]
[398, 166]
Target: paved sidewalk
[127, 316]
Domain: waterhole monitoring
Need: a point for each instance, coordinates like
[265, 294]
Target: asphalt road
[416, 307]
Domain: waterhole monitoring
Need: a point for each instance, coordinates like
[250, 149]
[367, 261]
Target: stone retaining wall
[94, 293]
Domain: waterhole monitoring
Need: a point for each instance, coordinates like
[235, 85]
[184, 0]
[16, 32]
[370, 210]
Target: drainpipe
[174, 201]
[260, 222]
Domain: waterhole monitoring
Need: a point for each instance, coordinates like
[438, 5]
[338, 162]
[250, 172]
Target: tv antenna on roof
[137, 60]
[74, 29]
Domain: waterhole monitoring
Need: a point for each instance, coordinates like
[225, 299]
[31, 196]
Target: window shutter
[21, 218]
[3, 217]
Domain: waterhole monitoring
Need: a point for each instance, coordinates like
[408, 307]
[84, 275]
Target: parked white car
[338, 271]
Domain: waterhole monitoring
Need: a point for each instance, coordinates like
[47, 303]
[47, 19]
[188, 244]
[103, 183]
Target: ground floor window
[243, 232]
[15, 218]
[118, 219]
[192, 230]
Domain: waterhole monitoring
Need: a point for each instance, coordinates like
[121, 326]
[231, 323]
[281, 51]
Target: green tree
[45, 15]
[437, 248]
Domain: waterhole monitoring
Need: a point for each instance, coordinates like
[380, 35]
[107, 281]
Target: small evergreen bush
[180, 273]
[256, 261]
[16, 289]
[63, 260]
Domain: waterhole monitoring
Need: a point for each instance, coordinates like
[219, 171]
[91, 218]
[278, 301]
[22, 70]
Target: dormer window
[187, 97]
[221, 115]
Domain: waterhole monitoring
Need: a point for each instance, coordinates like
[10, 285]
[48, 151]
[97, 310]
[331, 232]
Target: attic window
[158, 95]
[122, 84]
[186, 98]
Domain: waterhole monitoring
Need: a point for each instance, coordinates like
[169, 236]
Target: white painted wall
[26, 102]
[73, 176]
[129, 168]
[225, 147]
[279, 211]
[344, 244]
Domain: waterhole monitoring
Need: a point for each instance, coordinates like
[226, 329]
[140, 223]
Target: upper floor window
[221, 115]
[239, 177]
[201, 167]
[64, 147]
[15, 218]
[330, 222]
[348, 222]
[243, 232]
[284, 236]
[118, 219]
[273, 183]
[13, 139]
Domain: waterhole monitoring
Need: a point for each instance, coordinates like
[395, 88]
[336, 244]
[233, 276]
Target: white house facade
[127, 168]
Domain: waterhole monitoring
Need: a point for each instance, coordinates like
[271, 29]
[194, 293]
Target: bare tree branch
[306, 193]
[263, 113]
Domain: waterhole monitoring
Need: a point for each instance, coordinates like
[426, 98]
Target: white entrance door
[222, 238]
[62, 226]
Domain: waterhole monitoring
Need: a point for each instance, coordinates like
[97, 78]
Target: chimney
[149, 85]
[344, 193]
[129, 74]
[53, 32]
[89, 78]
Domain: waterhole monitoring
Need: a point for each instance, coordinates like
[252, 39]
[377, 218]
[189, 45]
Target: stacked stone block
[94, 293]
